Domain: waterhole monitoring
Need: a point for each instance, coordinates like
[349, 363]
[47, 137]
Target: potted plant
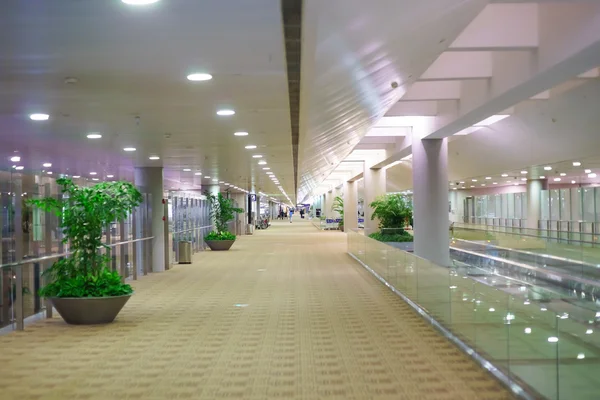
[338, 206]
[221, 212]
[394, 212]
[81, 287]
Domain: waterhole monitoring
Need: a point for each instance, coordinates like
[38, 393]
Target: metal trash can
[249, 229]
[185, 252]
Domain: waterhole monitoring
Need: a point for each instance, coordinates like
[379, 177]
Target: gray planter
[89, 310]
[219, 245]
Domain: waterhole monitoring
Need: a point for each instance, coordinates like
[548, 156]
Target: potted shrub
[394, 212]
[81, 287]
[221, 212]
[338, 206]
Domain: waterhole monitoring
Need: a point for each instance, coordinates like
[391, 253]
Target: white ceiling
[133, 61]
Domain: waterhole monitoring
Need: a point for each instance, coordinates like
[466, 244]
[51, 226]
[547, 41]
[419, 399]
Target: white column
[375, 181]
[150, 180]
[534, 201]
[430, 200]
[350, 206]
[327, 208]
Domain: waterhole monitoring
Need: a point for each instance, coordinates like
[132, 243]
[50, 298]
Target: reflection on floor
[286, 314]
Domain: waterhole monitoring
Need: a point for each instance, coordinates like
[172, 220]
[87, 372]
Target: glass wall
[574, 209]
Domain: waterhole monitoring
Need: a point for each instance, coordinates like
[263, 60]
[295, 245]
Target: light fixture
[46, 165]
[197, 173]
[527, 331]
[95, 179]
[19, 167]
[129, 149]
[492, 309]
[94, 135]
[524, 172]
[588, 171]
[542, 177]
[580, 356]
[573, 182]
[473, 180]
[49, 172]
[154, 158]
[199, 77]
[76, 176]
[257, 156]
[215, 180]
[39, 117]
[576, 164]
[592, 175]
[548, 168]
[207, 177]
[269, 173]
[589, 331]
[187, 170]
[553, 339]
[225, 112]
[504, 175]
[221, 182]
[494, 183]
[557, 179]
[461, 182]
[563, 174]
[488, 178]
[15, 159]
[250, 147]
[523, 179]
[241, 134]
[110, 176]
[93, 173]
[471, 186]
[262, 162]
[483, 184]
[139, 2]
[508, 181]
[266, 168]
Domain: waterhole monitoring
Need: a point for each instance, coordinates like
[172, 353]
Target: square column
[350, 206]
[430, 200]
[375, 181]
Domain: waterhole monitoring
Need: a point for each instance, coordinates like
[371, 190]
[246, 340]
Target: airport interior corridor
[286, 314]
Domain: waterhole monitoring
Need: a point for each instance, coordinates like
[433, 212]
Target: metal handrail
[25, 261]
[531, 235]
[192, 229]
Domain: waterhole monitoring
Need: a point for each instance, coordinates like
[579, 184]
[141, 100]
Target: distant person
[291, 214]
[302, 213]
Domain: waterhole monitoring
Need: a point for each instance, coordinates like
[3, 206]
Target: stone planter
[220, 245]
[89, 310]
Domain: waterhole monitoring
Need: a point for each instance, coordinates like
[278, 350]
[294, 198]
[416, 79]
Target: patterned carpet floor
[286, 314]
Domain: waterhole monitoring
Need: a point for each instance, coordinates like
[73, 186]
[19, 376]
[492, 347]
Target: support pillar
[375, 186]
[150, 180]
[430, 200]
[534, 201]
[350, 206]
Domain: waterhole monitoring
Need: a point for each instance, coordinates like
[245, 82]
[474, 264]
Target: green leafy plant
[220, 236]
[392, 237]
[338, 206]
[221, 212]
[83, 213]
[392, 210]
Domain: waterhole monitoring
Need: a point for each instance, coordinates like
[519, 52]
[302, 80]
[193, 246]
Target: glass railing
[536, 344]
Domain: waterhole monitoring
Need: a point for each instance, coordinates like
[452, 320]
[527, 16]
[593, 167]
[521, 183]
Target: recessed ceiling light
[187, 170]
[257, 156]
[76, 176]
[542, 177]
[129, 149]
[508, 181]
[46, 165]
[207, 177]
[221, 182]
[93, 173]
[110, 176]
[241, 134]
[197, 173]
[15, 159]
[250, 147]
[39, 117]
[225, 112]
[215, 180]
[95, 179]
[472, 186]
[576, 164]
[139, 2]
[504, 175]
[592, 175]
[19, 167]
[49, 172]
[573, 182]
[548, 168]
[473, 180]
[199, 77]
[557, 179]
[266, 168]
[494, 183]
[461, 182]
[588, 171]
[262, 162]
[523, 179]
[563, 174]
[524, 172]
[488, 177]
[94, 135]
[483, 184]
[154, 158]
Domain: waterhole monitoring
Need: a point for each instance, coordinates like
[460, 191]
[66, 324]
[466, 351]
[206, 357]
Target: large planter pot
[220, 245]
[89, 310]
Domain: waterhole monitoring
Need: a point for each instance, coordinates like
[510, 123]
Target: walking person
[291, 214]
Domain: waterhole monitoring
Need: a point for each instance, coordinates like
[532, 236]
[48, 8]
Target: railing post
[134, 236]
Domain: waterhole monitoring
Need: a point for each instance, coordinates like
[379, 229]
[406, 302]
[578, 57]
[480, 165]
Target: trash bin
[185, 252]
[249, 229]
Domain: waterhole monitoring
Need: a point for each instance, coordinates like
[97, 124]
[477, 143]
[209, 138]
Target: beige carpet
[285, 314]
